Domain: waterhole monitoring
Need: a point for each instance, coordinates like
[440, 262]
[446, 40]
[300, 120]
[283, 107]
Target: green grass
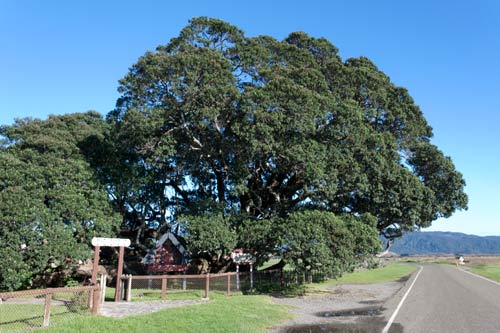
[387, 273]
[222, 314]
[487, 270]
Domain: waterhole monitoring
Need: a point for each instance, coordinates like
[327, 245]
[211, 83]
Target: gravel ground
[340, 308]
[125, 309]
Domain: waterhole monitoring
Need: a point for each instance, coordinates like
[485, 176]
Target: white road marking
[389, 323]
[479, 276]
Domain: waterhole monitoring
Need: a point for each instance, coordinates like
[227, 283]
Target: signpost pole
[97, 242]
[237, 277]
[95, 264]
[119, 273]
[251, 276]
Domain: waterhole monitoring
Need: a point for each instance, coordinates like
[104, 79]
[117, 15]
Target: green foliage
[209, 233]
[51, 203]
[323, 242]
[217, 120]
[306, 240]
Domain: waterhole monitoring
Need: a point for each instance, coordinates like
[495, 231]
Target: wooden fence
[163, 282]
[31, 309]
[158, 286]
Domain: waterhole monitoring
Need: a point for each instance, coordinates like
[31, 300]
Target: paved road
[446, 299]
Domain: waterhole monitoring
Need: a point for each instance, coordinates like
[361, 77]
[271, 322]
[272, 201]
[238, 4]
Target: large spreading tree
[254, 129]
[278, 147]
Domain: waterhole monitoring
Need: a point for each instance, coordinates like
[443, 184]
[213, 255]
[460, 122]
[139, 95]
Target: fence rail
[160, 286]
[27, 310]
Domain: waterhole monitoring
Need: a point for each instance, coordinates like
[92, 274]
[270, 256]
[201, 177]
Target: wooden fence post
[228, 284]
[103, 288]
[46, 310]
[164, 287]
[95, 264]
[122, 289]
[207, 285]
[119, 272]
[129, 288]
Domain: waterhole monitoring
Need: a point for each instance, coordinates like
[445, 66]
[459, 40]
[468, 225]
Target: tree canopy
[51, 202]
[276, 146]
[220, 121]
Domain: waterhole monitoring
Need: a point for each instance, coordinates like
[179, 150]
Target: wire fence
[147, 287]
[28, 310]
[297, 278]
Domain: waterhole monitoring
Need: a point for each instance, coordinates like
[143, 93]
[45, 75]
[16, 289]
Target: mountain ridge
[445, 242]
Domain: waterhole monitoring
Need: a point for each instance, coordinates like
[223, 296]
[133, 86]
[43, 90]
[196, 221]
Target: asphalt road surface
[446, 299]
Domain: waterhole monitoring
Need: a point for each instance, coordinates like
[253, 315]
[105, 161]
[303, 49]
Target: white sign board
[101, 241]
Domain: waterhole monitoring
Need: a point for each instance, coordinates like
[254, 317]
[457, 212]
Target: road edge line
[479, 276]
[391, 320]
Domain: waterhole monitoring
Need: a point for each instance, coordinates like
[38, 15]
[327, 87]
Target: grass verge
[387, 273]
[489, 271]
[222, 314]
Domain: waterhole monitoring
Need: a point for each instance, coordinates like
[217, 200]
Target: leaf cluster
[51, 202]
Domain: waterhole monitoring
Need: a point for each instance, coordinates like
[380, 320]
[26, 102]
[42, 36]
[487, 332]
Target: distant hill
[436, 242]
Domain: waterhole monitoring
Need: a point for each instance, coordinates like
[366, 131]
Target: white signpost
[115, 242]
[97, 242]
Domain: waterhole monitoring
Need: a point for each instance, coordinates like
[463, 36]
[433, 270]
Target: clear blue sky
[66, 56]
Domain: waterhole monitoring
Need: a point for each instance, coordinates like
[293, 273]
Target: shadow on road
[358, 320]
[361, 325]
